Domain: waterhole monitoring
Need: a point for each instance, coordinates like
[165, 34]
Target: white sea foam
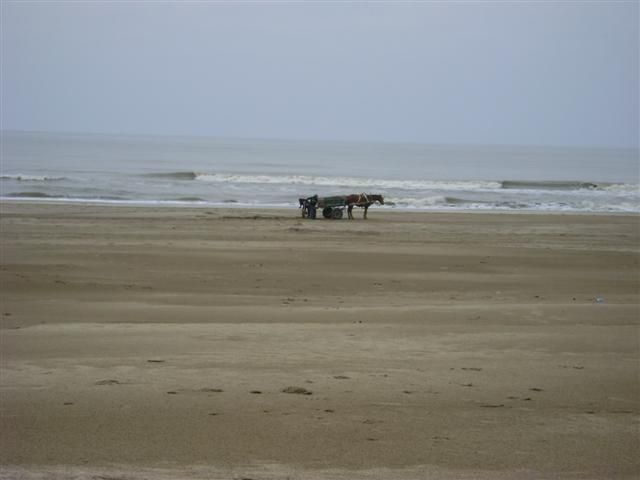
[622, 188]
[353, 182]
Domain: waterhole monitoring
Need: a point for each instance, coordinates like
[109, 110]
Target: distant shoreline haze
[635, 149]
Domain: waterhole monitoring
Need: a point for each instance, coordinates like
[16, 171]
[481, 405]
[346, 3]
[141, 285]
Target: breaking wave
[548, 185]
[173, 175]
[40, 195]
[369, 183]
[190, 199]
[32, 178]
[324, 181]
[32, 195]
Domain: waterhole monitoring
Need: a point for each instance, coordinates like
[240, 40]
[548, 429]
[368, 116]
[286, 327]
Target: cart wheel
[326, 212]
[336, 214]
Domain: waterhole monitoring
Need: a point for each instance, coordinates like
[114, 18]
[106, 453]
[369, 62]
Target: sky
[500, 73]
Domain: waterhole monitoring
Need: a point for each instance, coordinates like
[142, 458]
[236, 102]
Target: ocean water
[115, 169]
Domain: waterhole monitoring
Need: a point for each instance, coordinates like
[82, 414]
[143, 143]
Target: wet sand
[230, 343]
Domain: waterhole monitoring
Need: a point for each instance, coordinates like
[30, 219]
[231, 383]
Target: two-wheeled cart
[332, 207]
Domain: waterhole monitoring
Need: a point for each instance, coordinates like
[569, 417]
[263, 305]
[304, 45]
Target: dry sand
[157, 342]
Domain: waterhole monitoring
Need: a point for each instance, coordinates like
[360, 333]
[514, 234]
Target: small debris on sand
[108, 382]
[298, 390]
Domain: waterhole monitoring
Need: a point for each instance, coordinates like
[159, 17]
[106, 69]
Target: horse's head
[377, 198]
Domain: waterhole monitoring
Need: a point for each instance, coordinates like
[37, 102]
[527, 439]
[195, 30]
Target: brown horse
[363, 200]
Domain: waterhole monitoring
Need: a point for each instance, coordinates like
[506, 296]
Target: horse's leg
[350, 212]
[366, 207]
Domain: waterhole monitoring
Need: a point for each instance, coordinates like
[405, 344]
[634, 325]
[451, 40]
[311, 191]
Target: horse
[363, 200]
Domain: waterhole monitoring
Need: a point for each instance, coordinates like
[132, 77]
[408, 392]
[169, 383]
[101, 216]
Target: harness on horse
[363, 196]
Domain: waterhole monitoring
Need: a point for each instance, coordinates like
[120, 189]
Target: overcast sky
[536, 73]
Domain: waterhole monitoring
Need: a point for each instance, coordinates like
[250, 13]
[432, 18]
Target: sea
[265, 173]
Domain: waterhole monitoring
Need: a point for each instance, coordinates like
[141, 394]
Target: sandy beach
[142, 342]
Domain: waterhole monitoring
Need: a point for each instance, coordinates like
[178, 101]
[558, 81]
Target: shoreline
[241, 206]
[251, 343]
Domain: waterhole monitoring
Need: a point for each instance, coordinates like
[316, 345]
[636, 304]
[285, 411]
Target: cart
[332, 207]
